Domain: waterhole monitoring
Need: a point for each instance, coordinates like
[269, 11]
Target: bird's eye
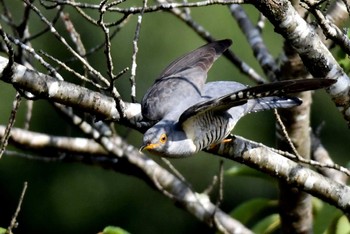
[163, 138]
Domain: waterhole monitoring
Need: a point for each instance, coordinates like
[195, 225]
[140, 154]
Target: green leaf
[345, 64]
[342, 226]
[2, 230]
[317, 205]
[252, 209]
[114, 230]
[241, 170]
[343, 58]
[325, 218]
[267, 225]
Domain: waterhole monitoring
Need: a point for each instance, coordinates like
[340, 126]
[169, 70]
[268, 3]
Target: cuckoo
[191, 115]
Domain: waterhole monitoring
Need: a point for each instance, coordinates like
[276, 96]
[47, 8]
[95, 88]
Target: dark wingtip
[327, 82]
[298, 101]
[225, 42]
[222, 45]
[320, 83]
[302, 85]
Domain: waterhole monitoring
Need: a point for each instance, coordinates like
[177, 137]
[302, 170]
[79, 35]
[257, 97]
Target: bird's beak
[147, 147]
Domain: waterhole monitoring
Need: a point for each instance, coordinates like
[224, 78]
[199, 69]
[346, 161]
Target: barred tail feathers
[268, 103]
[278, 91]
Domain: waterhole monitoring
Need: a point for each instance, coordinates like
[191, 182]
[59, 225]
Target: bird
[190, 114]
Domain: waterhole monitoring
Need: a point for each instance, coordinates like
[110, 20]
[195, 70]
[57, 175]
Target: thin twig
[14, 223]
[8, 71]
[221, 184]
[261, 22]
[7, 16]
[29, 114]
[107, 50]
[54, 21]
[31, 51]
[74, 35]
[329, 29]
[303, 160]
[165, 6]
[65, 67]
[212, 185]
[174, 170]
[120, 105]
[65, 43]
[121, 23]
[11, 122]
[134, 54]
[285, 133]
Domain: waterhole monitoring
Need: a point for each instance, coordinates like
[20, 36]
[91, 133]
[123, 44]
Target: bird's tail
[268, 103]
[268, 94]
[280, 88]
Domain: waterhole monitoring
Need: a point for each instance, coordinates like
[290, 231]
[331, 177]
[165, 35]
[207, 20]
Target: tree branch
[269, 161]
[47, 87]
[315, 55]
[256, 42]
[253, 154]
[127, 159]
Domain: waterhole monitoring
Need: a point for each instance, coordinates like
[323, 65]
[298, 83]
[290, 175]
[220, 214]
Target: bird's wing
[180, 85]
[197, 61]
[237, 98]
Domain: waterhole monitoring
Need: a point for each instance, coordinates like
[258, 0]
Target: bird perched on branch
[192, 115]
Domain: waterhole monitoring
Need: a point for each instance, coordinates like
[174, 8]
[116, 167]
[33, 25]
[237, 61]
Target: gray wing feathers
[168, 97]
[181, 84]
[200, 59]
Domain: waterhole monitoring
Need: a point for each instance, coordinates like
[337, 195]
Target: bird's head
[166, 139]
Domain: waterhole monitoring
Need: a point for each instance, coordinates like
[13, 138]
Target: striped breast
[208, 128]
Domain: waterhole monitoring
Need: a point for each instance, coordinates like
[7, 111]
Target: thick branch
[134, 163]
[295, 206]
[43, 142]
[47, 87]
[247, 152]
[270, 162]
[315, 55]
[337, 13]
[256, 42]
[293, 136]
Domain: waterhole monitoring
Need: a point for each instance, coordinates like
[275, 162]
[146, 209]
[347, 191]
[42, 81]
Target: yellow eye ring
[163, 138]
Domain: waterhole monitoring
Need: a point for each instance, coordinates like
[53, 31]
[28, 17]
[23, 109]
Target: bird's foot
[224, 141]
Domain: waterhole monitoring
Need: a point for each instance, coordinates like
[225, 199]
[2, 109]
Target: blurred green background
[76, 198]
